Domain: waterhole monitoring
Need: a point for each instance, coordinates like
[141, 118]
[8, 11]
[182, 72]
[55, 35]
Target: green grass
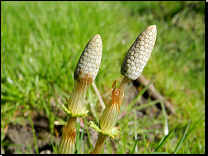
[41, 43]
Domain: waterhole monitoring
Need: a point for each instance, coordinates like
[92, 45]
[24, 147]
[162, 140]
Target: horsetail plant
[108, 120]
[84, 74]
[132, 66]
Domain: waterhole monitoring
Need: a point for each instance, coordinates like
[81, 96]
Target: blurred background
[41, 43]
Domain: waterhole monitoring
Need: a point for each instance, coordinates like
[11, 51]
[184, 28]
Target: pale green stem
[123, 85]
[100, 144]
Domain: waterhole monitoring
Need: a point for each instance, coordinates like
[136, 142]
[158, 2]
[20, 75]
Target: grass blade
[135, 127]
[88, 136]
[159, 153]
[33, 130]
[162, 141]
[135, 143]
[18, 150]
[182, 139]
[145, 142]
[194, 125]
[148, 104]
[77, 138]
[165, 116]
[81, 138]
[55, 147]
[185, 135]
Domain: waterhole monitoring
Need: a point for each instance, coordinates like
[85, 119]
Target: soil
[21, 135]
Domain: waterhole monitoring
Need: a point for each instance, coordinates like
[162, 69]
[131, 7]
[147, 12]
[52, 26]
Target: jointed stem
[84, 74]
[110, 115]
[75, 106]
[100, 143]
[67, 144]
[71, 122]
[123, 85]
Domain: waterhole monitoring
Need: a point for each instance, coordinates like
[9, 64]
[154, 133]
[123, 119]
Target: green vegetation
[41, 43]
